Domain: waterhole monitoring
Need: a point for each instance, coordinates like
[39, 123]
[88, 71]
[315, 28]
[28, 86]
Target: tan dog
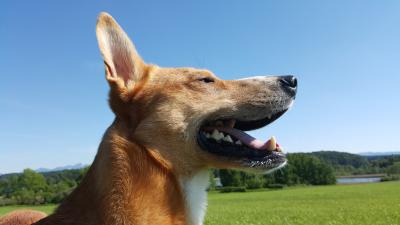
[171, 125]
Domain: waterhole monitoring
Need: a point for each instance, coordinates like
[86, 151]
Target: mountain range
[378, 153]
[60, 168]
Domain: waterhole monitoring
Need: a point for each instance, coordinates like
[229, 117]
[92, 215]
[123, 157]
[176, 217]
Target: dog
[171, 125]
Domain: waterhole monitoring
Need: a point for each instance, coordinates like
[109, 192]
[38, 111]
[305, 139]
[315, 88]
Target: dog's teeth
[215, 135]
[228, 139]
[271, 144]
[238, 142]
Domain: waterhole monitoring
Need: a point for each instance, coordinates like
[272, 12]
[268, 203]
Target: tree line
[317, 168]
[32, 188]
[351, 164]
[301, 169]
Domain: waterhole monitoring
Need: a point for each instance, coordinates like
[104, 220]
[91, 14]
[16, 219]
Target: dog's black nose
[289, 83]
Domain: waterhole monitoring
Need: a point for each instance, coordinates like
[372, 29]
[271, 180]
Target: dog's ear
[124, 66]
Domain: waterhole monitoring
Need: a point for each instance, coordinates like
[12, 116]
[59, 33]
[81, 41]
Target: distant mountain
[68, 167]
[378, 153]
[73, 170]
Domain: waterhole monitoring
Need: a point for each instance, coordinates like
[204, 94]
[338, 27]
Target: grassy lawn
[362, 204]
[44, 208]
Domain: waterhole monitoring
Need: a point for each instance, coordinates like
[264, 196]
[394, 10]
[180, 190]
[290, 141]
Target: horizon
[82, 165]
[345, 55]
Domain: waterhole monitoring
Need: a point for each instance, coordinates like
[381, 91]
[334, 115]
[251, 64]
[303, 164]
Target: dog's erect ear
[124, 66]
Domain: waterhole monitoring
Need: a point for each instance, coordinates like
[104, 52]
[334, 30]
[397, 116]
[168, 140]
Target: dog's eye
[206, 80]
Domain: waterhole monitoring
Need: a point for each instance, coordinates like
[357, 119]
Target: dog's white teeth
[228, 138]
[271, 144]
[221, 136]
[238, 142]
[208, 135]
[216, 135]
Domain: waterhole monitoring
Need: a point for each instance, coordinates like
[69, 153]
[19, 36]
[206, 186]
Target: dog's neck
[194, 189]
[127, 184]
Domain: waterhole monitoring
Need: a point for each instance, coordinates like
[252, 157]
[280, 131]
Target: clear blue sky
[346, 55]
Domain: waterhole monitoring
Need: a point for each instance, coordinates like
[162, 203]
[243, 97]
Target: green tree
[230, 178]
[211, 180]
[252, 181]
[32, 180]
[394, 169]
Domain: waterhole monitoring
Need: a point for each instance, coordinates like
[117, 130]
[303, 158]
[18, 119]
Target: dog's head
[189, 116]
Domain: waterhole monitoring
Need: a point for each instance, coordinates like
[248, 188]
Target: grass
[360, 204]
[44, 208]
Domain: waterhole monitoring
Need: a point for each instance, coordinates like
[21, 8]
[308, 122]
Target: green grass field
[44, 208]
[362, 204]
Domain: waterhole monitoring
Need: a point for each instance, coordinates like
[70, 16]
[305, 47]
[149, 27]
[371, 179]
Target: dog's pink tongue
[247, 139]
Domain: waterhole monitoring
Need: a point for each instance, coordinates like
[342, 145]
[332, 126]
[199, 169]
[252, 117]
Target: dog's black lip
[256, 124]
[243, 152]
[252, 158]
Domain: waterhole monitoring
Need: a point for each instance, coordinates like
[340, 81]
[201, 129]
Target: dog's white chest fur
[195, 195]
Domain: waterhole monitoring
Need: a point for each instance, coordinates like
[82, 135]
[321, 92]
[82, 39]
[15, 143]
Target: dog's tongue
[249, 140]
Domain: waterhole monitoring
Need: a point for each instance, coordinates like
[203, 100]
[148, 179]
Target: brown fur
[21, 217]
[108, 194]
[151, 147]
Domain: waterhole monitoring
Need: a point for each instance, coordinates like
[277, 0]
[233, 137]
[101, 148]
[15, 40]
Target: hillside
[353, 164]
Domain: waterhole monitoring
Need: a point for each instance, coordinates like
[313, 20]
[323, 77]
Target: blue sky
[346, 55]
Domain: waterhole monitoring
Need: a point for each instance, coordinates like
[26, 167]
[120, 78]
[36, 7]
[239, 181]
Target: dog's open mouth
[227, 138]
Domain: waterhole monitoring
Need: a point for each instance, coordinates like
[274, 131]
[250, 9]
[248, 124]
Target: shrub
[230, 178]
[254, 184]
[275, 186]
[390, 178]
[232, 189]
